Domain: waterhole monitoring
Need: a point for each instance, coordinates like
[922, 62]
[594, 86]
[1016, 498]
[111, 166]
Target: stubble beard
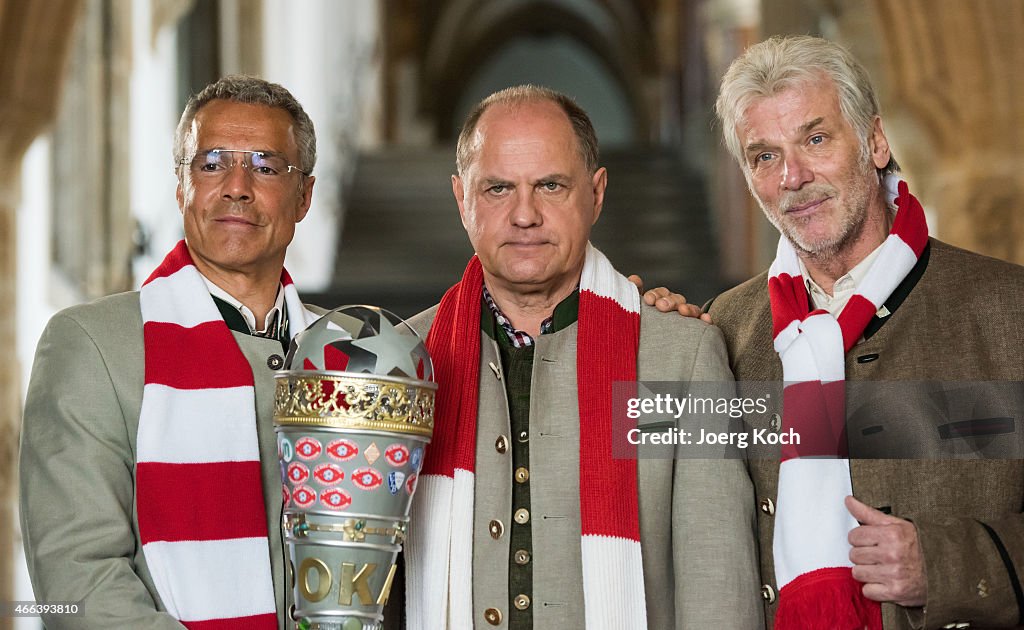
[850, 222]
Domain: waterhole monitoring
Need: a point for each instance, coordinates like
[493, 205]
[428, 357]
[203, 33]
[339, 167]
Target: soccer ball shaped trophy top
[354, 409]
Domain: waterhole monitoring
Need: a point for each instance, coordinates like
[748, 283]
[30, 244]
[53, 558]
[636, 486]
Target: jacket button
[522, 602]
[522, 475]
[522, 516]
[522, 557]
[275, 362]
[775, 422]
[501, 444]
[768, 593]
[768, 506]
[493, 616]
[496, 528]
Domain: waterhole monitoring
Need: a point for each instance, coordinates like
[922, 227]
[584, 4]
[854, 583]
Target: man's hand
[886, 556]
[666, 301]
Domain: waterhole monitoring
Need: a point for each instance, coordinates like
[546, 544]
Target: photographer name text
[702, 437]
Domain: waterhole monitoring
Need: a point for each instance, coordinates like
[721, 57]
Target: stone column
[34, 39]
[956, 93]
[745, 238]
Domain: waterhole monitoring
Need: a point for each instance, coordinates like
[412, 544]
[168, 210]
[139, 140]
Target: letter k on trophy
[354, 409]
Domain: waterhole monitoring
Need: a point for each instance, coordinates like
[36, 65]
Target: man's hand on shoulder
[667, 302]
[887, 556]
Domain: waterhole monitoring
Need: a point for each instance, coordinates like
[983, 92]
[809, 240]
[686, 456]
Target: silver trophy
[354, 410]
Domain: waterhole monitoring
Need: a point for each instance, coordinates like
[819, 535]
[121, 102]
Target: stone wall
[34, 39]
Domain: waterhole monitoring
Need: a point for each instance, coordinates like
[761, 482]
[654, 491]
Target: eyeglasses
[214, 164]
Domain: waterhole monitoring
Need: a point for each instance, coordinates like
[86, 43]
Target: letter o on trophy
[353, 412]
[324, 579]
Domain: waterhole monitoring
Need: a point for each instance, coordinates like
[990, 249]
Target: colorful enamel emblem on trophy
[354, 408]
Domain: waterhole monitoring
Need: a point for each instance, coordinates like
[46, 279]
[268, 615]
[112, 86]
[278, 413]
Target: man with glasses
[150, 489]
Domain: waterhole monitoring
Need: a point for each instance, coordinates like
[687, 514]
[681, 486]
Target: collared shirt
[566, 310]
[271, 324]
[844, 287]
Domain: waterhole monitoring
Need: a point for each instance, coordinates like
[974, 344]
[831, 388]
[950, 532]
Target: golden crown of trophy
[354, 409]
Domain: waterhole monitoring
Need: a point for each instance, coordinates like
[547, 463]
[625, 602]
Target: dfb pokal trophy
[353, 411]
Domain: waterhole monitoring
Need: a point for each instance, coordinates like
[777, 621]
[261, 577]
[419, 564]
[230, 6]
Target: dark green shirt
[236, 322]
[517, 367]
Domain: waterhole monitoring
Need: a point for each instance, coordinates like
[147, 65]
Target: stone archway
[557, 61]
[431, 53]
[616, 34]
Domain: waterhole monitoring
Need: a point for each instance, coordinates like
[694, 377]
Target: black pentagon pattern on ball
[361, 339]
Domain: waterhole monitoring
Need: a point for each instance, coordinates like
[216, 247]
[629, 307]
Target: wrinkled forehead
[525, 132]
[788, 109]
[231, 125]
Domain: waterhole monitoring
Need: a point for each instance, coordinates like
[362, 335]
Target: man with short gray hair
[859, 292]
[150, 485]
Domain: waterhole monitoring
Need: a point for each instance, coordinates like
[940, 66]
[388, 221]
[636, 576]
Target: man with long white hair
[859, 292]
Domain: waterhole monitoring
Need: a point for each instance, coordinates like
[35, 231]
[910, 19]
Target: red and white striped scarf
[199, 494]
[812, 564]
[439, 553]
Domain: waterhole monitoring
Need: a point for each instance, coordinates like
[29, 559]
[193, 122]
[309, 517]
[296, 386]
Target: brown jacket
[957, 317]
